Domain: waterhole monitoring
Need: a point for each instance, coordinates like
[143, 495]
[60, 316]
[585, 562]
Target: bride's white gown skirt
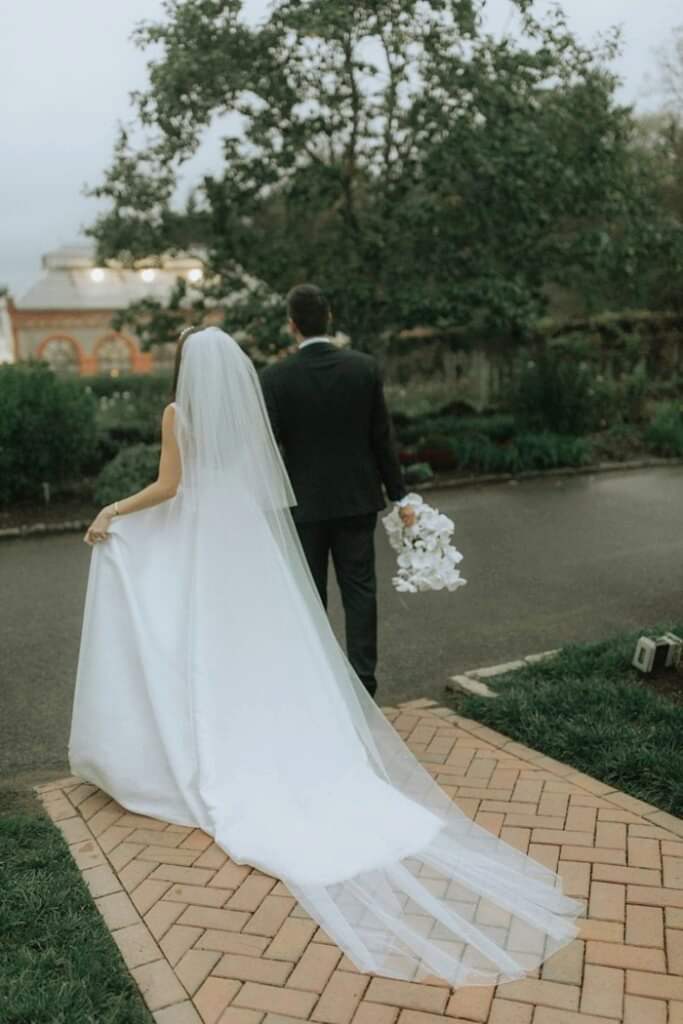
[211, 692]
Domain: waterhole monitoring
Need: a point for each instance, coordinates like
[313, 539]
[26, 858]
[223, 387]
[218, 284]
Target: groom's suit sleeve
[269, 398]
[383, 442]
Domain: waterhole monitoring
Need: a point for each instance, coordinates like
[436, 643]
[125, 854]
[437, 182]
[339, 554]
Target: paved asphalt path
[548, 561]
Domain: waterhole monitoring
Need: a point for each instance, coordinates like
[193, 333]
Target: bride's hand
[99, 528]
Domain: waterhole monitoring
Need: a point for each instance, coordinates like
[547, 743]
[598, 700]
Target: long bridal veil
[211, 691]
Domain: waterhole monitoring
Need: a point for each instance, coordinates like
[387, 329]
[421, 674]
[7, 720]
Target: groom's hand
[407, 515]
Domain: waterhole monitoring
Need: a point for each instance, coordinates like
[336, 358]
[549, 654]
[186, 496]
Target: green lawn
[589, 708]
[58, 962]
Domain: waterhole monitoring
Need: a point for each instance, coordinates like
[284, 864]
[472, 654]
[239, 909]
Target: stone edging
[75, 525]
[28, 529]
[532, 474]
[472, 681]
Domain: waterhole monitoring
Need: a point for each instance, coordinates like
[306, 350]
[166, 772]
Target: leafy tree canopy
[418, 168]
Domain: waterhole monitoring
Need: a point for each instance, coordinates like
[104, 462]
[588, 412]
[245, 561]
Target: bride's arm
[163, 488]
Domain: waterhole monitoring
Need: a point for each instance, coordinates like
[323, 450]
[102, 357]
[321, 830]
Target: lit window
[195, 274]
[62, 356]
[97, 274]
[113, 357]
[148, 275]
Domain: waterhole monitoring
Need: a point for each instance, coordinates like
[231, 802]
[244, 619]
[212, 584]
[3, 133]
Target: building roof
[72, 280]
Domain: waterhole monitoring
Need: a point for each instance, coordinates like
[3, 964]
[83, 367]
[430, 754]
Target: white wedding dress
[212, 692]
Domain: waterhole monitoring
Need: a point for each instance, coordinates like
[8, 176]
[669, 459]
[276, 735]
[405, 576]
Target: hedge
[47, 430]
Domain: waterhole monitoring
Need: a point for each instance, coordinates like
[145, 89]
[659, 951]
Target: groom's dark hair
[309, 309]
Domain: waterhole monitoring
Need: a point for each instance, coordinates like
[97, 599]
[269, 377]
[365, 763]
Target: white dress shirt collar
[312, 341]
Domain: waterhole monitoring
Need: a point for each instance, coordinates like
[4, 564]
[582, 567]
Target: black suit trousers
[350, 541]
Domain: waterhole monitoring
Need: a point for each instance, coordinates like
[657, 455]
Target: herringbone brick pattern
[213, 942]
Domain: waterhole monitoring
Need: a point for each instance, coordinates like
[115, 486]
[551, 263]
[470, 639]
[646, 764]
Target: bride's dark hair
[182, 338]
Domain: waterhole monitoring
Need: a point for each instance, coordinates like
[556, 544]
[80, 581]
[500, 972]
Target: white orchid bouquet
[426, 558]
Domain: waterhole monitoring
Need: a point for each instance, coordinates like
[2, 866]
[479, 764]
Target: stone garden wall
[479, 369]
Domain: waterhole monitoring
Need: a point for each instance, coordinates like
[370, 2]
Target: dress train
[212, 692]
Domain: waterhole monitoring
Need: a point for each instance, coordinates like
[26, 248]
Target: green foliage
[155, 386]
[664, 434]
[589, 708]
[563, 386]
[418, 168]
[47, 430]
[548, 451]
[422, 429]
[487, 444]
[555, 391]
[127, 418]
[624, 400]
[658, 145]
[418, 473]
[58, 961]
[526, 451]
[129, 410]
[618, 442]
[417, 398]
[132, 469]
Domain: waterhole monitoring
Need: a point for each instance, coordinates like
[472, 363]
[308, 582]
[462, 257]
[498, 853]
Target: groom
[328, 413]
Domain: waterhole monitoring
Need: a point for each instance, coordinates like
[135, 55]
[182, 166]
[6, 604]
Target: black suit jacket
[328, 413]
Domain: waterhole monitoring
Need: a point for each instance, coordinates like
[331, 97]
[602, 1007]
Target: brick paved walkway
[212, 942]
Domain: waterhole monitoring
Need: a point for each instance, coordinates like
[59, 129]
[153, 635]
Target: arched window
[61, 354]
[163, 355]
[114, 355]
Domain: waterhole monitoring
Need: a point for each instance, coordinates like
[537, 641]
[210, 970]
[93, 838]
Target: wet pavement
[548, 562]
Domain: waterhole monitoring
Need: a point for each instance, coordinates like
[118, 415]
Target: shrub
[138, 385]
[439, 457]
[555, 392]
[550, 451]
[47, 430]
[618, 442]
[621, 400]
[634, 389]
[420, 398]
[128, 412]
[664, 435]
[418, 473]
[499, 427]
[129, 471]
[479, 452]
[527, 451]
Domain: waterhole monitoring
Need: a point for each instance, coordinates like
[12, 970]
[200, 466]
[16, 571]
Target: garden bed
[498, 443]
[590, 708]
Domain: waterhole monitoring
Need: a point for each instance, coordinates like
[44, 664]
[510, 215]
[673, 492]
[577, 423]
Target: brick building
[65, 317]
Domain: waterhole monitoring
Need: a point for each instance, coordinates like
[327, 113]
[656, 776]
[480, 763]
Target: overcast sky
[66, 71]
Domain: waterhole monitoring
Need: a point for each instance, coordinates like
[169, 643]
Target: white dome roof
[72, 280]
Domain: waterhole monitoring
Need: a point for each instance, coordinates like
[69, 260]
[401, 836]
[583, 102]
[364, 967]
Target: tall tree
[671, 70]
[418, 168]
[658, 149]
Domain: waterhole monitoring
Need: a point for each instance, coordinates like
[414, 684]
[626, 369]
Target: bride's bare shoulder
[168, 416]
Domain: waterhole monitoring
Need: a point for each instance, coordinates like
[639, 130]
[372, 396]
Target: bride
[211, 692]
